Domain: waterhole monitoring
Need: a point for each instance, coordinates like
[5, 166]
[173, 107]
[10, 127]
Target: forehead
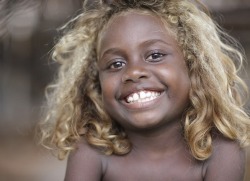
[134, 25]
[133, 17]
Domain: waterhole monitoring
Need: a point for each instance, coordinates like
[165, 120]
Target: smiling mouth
[142, 96]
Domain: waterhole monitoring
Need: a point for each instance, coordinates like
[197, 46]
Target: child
[147, 90]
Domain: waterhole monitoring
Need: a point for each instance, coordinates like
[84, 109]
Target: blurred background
[28, 30]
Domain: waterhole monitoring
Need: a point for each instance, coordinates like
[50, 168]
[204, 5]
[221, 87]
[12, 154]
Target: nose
[135, 73]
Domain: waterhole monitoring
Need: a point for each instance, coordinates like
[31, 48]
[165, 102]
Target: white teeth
[135, 97]
[142, 96]
[130, 99]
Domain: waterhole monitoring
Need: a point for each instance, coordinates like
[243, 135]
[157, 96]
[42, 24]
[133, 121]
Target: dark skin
[145, 87]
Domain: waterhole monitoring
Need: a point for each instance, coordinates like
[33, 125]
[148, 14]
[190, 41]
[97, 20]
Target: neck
[163, 140]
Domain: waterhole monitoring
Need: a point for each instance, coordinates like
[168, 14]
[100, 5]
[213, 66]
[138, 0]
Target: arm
[226, 163]
[84, 164]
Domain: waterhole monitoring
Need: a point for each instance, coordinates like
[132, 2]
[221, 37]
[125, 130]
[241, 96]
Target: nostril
[143, 76]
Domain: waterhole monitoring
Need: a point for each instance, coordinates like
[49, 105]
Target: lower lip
[137, 106]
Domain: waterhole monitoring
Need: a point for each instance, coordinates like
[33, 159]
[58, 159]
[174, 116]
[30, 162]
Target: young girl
[147, 90]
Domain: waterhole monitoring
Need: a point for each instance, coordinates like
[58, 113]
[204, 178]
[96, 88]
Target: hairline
[164, 22]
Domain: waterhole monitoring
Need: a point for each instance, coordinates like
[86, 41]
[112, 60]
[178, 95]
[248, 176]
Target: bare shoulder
[84, 163]
[227, 161]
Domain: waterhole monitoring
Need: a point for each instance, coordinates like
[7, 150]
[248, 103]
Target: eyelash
[118, 64]
[115, 63]
[157, 59]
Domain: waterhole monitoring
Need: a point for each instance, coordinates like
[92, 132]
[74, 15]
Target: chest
[173, 168]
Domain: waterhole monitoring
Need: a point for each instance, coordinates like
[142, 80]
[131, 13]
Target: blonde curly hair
[213, 58]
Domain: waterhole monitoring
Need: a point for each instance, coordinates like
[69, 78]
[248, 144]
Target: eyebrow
[153, 41]
[110, 51]
[145, 43]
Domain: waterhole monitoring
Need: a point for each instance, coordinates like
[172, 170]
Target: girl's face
[142, 72]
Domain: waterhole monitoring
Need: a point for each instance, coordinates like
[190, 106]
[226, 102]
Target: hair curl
[75, 108]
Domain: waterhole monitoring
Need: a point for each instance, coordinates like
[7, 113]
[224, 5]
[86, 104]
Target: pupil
[117, 64]
[155, 55]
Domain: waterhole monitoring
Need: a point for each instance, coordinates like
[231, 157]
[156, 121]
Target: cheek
[108, 96]
[183, 84]
[183, 87]
[108, 87]
[178, 82]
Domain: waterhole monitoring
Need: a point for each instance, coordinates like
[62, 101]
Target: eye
[155, 56]
[116, 65]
